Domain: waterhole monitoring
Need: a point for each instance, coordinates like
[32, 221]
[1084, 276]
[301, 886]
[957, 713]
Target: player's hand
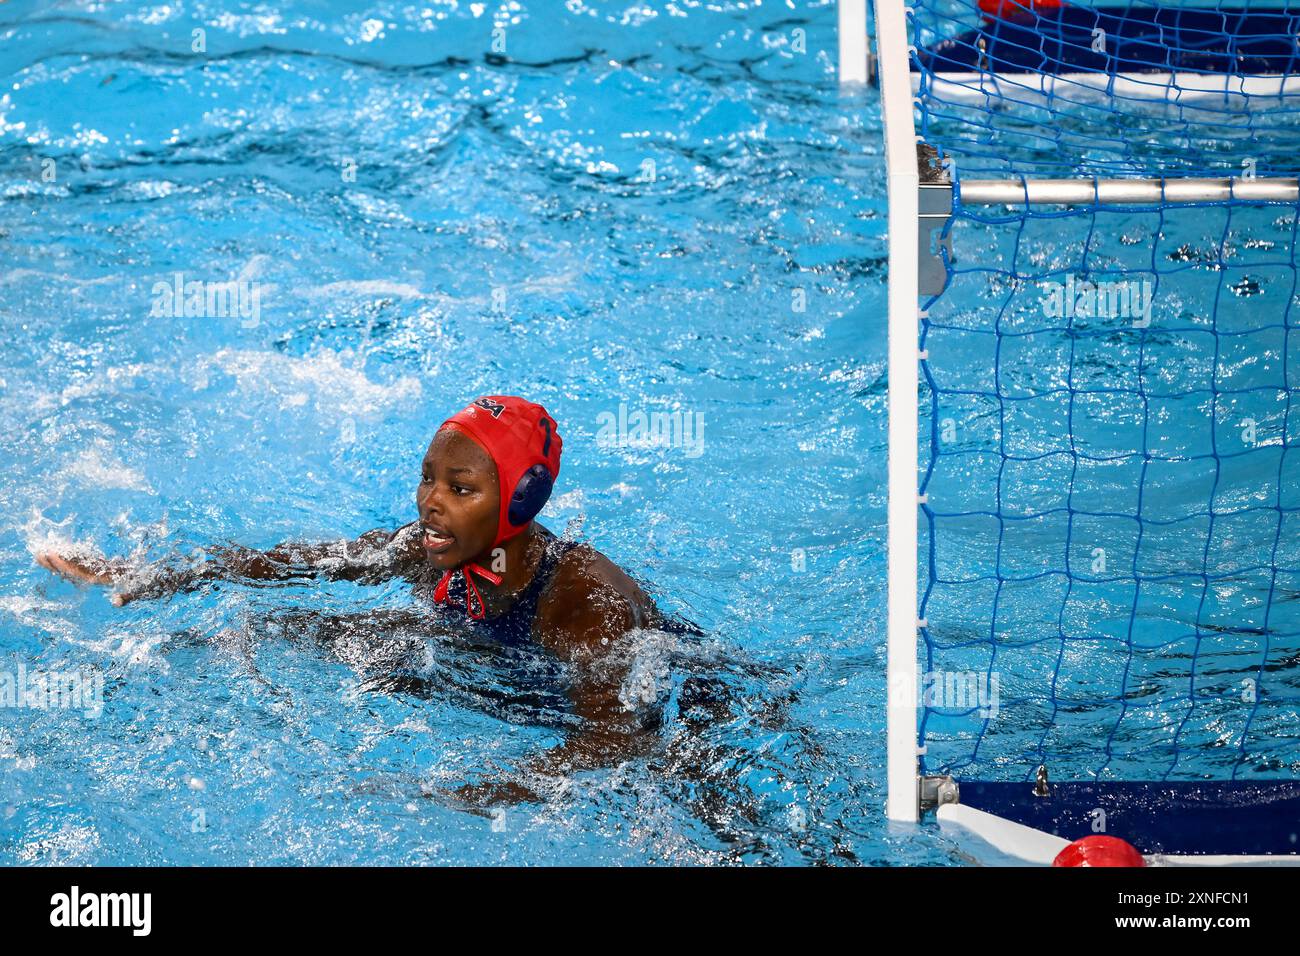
[88, 570]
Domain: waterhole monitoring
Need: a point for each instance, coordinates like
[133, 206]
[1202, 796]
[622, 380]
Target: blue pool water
[660, 205]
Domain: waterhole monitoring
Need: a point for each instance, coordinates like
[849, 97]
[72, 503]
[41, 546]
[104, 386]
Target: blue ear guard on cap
[532, 492]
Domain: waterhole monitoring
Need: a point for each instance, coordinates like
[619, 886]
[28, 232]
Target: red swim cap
[522, 440]
[1099, 850]
[1017, 9]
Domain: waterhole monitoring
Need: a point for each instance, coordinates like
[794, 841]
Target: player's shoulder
[591, 595]
[583, 568]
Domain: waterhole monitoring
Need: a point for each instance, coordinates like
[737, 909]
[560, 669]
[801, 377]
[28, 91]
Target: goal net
[1110, 479]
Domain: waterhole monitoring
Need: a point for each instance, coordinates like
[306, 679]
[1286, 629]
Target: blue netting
[1179, 89]
[1111, 531]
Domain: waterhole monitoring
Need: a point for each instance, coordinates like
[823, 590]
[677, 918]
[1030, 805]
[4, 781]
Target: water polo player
[476, 551]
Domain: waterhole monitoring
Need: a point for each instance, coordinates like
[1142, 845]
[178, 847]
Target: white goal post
[921, 202]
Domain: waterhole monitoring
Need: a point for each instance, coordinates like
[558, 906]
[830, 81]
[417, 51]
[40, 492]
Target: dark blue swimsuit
[515, 626]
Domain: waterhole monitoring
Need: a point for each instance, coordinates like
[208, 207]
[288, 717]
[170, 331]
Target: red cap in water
[1099, 850]
[1005, 9]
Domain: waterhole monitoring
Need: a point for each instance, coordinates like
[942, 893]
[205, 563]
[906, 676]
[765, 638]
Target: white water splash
[335, 385]
[98, 468]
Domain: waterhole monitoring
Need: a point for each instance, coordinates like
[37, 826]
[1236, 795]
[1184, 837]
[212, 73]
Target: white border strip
[904, 374]
[993, 840]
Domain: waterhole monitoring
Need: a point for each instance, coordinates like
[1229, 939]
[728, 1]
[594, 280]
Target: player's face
[458, 500]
